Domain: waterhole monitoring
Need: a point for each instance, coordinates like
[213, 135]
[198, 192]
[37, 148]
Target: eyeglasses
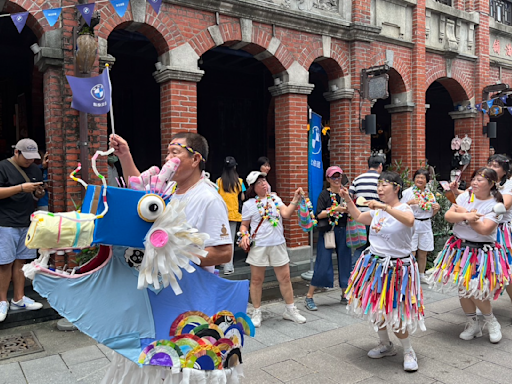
[192, 151]
[494, 164]
[335, 177]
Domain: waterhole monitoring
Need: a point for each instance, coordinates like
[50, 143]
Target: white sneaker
[25, 303]
[382, 350]
[4, 307]
[229, 269]
[256, 318]
[294, 315]
[410, 361]
[471, 330]
[423, 279]
[494, 330]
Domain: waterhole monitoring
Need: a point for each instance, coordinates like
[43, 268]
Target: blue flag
[155, 4]
[52, 15]
[86, 10]
[490, 103]
[315, 165]
[19, 20]
[91, 94]
[120, 6]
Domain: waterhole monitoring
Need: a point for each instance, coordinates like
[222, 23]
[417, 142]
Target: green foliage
[440, 227]
[86, 254]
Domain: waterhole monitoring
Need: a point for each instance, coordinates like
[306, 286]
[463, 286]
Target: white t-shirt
[507, 190]
[463, 230]
[267, 234]
[420, 226]
[388, 236]
[207, 212]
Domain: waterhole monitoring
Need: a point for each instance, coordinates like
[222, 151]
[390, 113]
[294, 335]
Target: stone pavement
[330, 348]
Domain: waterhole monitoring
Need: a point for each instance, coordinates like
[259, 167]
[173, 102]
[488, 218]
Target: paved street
[330, 348]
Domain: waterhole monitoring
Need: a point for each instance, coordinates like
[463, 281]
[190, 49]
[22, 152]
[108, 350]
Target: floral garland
[334, 216]
[266, 211]
[309, 206]
[425, 198]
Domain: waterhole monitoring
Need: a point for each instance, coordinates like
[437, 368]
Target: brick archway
[335, 67]
[164, 37]
[458, 86]
[399, 75]
[35, 21]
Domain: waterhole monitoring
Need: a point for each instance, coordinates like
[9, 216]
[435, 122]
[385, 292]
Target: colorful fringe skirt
[504, 238]
[477, 270]
[387, 292]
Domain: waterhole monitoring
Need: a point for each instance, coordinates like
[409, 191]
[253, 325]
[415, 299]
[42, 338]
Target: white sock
[290, 306]
[257, 309]
[406, 343]
[488, 317]
[422, 275]
[383, 336]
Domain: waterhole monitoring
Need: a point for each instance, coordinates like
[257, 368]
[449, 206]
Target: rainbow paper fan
[205, 357]
[162, 353]
[211, 332]
[224, 319]
[187, 317]
[236, 334]
[187, 342]
[242, 318]
[233, 358]
[224, 345]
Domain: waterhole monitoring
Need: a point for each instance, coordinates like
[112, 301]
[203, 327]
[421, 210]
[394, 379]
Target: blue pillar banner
[315, 165]
[86, 10]
[52, 15]
[120, 6]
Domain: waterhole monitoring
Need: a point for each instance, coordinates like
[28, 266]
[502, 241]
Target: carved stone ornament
[309, 5]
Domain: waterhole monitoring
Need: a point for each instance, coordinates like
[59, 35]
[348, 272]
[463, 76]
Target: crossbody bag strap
[21, 171]
[258, 227]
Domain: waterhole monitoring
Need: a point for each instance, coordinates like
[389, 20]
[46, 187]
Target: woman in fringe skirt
[472, 261]
[501, 164]
[384, 286]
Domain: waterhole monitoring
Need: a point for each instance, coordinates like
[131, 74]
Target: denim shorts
[12, 245]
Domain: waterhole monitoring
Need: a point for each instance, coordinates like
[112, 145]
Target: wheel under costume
[143, 295]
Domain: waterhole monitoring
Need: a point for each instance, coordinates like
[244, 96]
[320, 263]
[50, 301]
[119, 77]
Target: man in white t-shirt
[205, 211]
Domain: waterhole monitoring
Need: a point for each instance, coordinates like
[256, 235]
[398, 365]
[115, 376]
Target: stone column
[178, 102]
[341, 130]
[291, 111]
[404, 146]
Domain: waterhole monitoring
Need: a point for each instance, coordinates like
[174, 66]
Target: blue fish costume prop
[143, 295]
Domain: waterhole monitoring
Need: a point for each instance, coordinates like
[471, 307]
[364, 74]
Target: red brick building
[274, 58]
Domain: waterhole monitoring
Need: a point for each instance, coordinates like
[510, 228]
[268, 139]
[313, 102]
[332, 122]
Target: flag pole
[111, 103]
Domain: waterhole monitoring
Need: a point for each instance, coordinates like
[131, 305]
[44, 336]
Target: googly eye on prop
[150, 207]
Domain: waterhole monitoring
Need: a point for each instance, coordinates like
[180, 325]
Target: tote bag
[356, 234]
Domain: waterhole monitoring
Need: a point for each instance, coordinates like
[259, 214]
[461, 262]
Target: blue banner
[86, 10]
[91, 94]
[120, 6]
[52, 15]
[19, 20]
[315, 165]
[155, 4]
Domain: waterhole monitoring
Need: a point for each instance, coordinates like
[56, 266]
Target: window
[446, 2]
[500, 10]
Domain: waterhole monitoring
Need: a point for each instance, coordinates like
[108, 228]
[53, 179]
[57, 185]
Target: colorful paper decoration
[120, 6]
[155, 4]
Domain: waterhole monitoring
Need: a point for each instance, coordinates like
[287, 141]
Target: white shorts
[273, 256]
[423, 241]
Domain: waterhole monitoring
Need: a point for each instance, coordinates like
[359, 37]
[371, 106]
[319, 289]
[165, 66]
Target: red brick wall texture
[414, 70]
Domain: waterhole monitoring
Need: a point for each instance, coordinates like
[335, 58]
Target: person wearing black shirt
[330, 213]
[16, 205]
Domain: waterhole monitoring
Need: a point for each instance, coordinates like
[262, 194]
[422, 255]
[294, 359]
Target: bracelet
[294, 203]
[21, 185]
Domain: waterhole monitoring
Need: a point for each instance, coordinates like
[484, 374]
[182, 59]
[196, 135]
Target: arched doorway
[136, 95]
[21, 89]
[235, 111]
[380, 141]
[439, 129]
[503, 142]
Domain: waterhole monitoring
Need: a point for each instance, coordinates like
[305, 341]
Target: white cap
[253, 176]
[28, 149]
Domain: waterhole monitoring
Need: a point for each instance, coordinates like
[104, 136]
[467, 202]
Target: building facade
[275, 58]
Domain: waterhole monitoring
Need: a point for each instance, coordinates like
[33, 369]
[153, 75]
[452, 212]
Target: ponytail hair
[492, 178]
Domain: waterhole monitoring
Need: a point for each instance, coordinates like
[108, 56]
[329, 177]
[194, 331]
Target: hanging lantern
[86, 52]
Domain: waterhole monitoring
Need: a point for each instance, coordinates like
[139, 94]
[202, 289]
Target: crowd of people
[380, 281]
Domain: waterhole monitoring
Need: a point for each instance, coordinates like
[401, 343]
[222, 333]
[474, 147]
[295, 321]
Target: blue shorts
[12, 246]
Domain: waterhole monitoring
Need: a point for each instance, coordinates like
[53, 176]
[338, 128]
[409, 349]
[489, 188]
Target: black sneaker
[343, 301]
